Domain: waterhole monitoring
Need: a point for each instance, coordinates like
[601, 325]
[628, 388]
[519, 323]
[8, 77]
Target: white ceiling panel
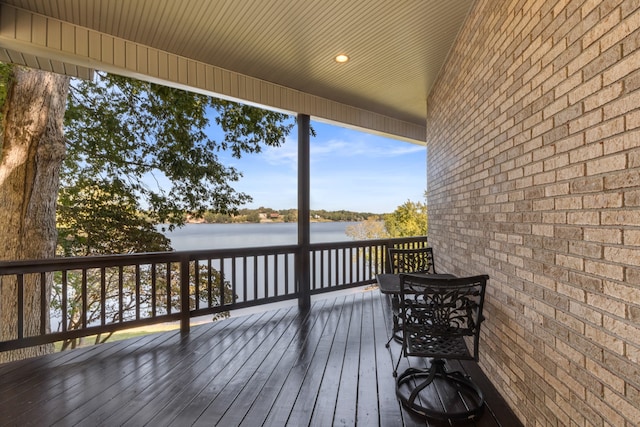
[396, 47]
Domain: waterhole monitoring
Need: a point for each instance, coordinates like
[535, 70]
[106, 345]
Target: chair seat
[439, 347]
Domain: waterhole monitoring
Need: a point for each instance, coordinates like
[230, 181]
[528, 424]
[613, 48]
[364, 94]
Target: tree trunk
[32, 148]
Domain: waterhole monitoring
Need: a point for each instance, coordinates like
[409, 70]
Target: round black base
[416, 389]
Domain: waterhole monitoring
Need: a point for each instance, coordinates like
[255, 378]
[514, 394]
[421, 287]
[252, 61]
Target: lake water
[227, 236]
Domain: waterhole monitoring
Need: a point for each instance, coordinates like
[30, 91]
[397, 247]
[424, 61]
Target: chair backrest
[441, 317]
[419, 260]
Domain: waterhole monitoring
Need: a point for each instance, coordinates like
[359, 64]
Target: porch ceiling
[396, 49]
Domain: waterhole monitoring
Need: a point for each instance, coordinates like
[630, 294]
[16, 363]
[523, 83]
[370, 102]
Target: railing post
[185, 315]
[304, 211]
[387, 261]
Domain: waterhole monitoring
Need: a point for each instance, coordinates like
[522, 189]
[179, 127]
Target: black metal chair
[440, 319]
[416, 260]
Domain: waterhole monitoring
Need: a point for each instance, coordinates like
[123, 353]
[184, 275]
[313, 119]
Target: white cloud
[286, 154]
[349, 170]
[368, 146]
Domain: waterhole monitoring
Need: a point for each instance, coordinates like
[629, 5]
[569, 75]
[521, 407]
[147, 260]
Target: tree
[409, 219]
[126, 134]
[121, 134]
[290, 215]
[94, 218]
[253, 217]
[371, 228]
[32, 148]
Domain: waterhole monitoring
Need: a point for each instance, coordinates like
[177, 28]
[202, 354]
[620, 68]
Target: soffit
[396, 47]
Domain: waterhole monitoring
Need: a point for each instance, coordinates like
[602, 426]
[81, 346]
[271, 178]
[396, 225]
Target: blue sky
[350, 170]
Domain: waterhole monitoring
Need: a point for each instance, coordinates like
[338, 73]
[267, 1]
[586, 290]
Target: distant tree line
[263, 214]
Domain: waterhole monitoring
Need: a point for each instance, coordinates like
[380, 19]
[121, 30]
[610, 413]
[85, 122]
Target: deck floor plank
[309, 393]
[79, 381]
[325, 404]
[391, 413]
[367, 410]
[41, 367]
[251, 391]
[346, 404]
[324, 367]
[288, 394]
[214, 372]
[168, 387]
[105, 395]
[244, 375]
[132, 391]
[261, 408]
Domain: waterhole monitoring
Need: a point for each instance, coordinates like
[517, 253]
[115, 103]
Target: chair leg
[395, 369]
[390, 339]
[394, 336]
[396, 322]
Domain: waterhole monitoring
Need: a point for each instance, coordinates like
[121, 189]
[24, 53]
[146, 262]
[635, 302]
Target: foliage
[285, 215]
[289, 215]
[97, 218]
[409, 219]
[126, 134]
[371, 228]
[253, 217]
[217, 218]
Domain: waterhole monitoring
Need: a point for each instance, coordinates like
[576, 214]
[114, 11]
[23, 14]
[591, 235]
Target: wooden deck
[324, 368]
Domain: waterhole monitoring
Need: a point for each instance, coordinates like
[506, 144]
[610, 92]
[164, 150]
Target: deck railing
[102, 294]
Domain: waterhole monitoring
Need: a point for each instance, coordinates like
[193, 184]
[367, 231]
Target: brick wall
[534, 178]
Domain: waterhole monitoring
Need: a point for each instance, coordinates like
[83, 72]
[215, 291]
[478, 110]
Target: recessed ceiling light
[341, 58]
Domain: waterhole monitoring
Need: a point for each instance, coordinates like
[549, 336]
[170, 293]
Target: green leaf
[123, 134]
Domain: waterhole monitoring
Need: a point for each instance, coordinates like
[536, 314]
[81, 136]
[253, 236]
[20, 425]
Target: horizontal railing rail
[62, 299]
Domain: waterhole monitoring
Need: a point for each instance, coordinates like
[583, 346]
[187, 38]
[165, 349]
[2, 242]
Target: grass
[125, 334]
